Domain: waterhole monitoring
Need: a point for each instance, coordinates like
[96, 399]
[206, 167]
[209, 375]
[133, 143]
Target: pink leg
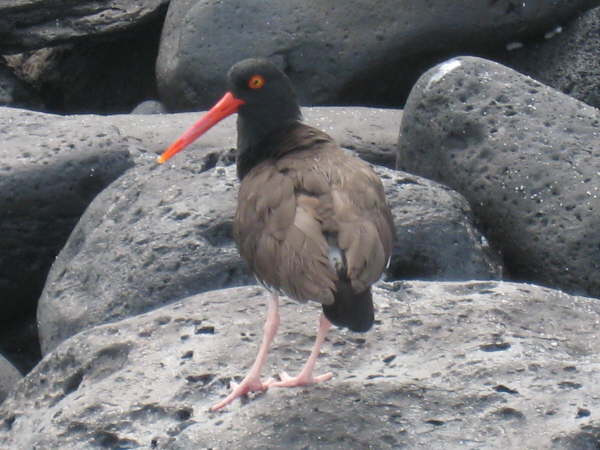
[306, 374]
[252, 380]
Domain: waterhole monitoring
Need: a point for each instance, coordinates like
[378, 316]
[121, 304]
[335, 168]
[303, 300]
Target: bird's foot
[303, 379]
[248, 384]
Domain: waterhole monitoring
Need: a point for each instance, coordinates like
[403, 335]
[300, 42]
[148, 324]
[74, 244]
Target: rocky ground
[126, 310]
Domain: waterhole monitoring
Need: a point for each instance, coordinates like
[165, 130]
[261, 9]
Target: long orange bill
[224, 107]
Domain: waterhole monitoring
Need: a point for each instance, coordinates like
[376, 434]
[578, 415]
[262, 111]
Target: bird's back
[313, 223]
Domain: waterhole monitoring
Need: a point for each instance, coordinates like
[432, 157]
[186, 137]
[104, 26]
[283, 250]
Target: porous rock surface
[354, 52]
[526, 157]
[157, 234]
[481, 365]
[50, 169]
[30, 24]
[566, 58]
[436, 234]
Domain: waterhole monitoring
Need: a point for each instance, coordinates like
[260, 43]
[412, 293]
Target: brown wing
[280, 237]
[291, 210]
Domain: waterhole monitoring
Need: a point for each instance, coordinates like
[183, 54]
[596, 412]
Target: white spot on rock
[442, 71]
[550, 34]
[513, 46]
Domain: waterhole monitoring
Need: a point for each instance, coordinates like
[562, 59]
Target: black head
[266, 91]
[265, 102]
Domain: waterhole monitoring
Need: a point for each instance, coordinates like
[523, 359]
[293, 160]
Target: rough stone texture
[361, 54]
[106, 77]
[436, 238]
[157, 234]
[50, 169]
[526, 157]
[568, 61]
[31, 24]
[15, 93]
[9, 376]
[477, 365]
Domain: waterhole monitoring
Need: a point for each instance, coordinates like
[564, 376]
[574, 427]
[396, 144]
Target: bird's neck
[259, 140]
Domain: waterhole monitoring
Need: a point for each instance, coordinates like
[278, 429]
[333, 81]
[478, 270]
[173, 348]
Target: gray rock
[567, 59]
[436, 237]
[525, 156]
[476, 365]
[157, 234]
[31, 24]
[9, 376]
[360, 54]
[107, 76]
[149, 107]
[51, 167]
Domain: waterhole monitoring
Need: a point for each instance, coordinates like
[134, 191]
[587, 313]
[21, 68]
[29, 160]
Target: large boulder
[436, 234]
[525, 156]
[447, 365]
[155, 235]
[51, 168]
[361, 54]
[31, 24]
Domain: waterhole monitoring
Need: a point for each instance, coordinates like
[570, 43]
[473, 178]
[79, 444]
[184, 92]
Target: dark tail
[351, 310]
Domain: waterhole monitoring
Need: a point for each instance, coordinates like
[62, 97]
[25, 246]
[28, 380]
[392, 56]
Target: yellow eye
[256, 82]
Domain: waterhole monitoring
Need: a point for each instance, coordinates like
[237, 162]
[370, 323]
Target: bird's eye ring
[256, 82]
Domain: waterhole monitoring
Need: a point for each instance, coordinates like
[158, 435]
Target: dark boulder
[354, 52]
[525, 156]
[565, 58]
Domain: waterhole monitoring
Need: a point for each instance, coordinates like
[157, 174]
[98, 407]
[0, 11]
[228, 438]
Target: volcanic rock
[447, 365]
[526, 157]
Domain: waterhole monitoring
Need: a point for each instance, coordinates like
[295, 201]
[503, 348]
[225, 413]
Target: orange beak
[224, 107]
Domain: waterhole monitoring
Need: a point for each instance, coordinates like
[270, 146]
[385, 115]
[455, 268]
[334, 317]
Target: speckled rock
[9, 376]
[361, 53]
[436, 235]
[472, 365]
[51, 167]
[525, 156]
[566, 58]
[155, 235]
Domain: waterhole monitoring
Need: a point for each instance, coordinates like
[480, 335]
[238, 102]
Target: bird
[312, 221]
